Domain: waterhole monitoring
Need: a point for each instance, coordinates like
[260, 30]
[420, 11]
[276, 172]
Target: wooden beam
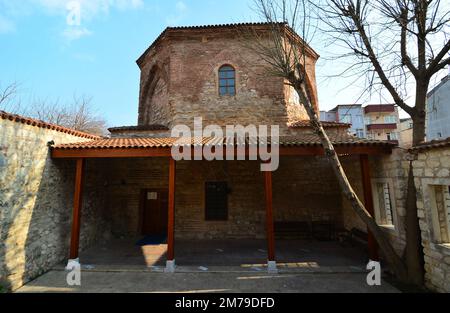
[171, 215]
[77, 206]
[269, 216]
[111, 153]
[166, 152]
[368, 201]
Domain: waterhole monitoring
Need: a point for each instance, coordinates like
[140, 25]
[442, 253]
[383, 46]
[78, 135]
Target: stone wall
[36, 202]
[391, 169]
[432, 179]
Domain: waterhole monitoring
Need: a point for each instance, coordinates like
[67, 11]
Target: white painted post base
[272, 267]
[170, 267]
[71, 264]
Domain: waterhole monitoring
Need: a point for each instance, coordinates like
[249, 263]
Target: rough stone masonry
[36, 200]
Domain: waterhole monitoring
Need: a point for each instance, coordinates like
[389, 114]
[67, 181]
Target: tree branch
[351, 12]
[436, 64]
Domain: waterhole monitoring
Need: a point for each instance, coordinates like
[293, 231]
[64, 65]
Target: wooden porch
[271, 249]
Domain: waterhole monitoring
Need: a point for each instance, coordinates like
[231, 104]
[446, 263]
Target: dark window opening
[216, 201]
[227, 81]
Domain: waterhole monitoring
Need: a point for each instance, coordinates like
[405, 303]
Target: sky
[54, 53]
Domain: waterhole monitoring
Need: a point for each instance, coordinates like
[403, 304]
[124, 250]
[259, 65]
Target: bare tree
[78, 115]
[285, 52]
[8, 98]
[396, 46]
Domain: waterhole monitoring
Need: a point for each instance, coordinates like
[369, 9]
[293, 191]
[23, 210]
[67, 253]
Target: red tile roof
[292, 141]
[432, 145]
[307, 123]
[41, 124]
[139, 128]
[217, 26]
[379, 108]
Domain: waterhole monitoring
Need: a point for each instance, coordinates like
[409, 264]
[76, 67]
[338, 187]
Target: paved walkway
[245, 282]
[216, 266]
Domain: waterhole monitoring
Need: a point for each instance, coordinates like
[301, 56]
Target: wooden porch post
[77, 205]
[269, 222]
[368, 200]
[171, 218]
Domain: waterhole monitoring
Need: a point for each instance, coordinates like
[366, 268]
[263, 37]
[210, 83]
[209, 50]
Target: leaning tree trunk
[388, 251]
[414, 251]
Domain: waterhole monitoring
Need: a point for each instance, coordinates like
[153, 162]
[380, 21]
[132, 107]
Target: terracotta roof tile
[432, 145]
[139, 128]
[41, 124]
[307, 123]
[135, 143]
[216, 26]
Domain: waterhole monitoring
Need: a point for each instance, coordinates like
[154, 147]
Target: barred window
[441, 214]
[227, 81]
[385, 214]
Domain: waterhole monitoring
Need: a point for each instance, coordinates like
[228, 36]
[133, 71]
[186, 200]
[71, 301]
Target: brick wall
[189, 61]
[298, 195]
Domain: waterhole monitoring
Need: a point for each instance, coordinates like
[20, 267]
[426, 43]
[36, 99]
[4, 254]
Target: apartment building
[378, 121]
[382, 122]
[438, 111]
[352, 114]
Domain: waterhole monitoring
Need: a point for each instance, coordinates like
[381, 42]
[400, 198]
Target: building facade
[351, 114]
[379, 122]
[406, 133]
[204, 72]
[438, 111]
[131, 185]
[382, 122]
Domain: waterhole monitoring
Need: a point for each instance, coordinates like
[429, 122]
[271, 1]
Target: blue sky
[54, 60]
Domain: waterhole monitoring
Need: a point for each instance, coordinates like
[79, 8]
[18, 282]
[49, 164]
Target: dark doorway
[154, 203]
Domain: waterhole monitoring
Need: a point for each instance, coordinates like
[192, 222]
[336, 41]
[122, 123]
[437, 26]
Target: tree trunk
[414, 250]
[388, 251]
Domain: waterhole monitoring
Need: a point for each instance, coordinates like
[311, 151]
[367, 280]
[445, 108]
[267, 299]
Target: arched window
[227, 81]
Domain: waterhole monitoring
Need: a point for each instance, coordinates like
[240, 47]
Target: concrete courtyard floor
[210, 253]
[232, 282]
[216, 266]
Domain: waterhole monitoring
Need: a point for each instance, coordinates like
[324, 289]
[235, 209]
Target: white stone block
[72, 264]
[272, 267]
[170, 267]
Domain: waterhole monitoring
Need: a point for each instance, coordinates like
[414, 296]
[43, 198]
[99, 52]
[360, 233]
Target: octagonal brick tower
[180, 80]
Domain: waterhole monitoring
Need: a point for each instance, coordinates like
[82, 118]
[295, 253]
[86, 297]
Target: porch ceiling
[307, 144]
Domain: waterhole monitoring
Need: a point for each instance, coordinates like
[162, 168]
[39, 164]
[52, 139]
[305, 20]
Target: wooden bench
[357, 235]
[319, 230]
[293, 230]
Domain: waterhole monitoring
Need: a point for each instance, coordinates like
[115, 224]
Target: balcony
[381, 126]
[379, 109]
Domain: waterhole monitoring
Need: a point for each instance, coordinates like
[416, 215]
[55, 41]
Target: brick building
[191, 72]
[133, 186]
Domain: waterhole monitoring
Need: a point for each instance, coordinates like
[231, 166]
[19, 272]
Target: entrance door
[155, 209]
